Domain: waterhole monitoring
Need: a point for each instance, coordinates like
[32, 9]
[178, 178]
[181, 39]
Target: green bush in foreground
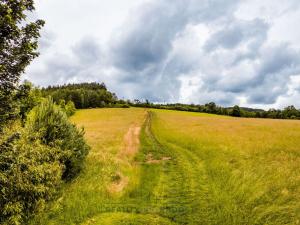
[54, 129]
[29, 175]
[35, 159]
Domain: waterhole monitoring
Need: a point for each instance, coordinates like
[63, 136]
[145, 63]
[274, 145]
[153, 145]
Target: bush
[69, 108]
[29, 176]
[28, 97]
[34, 159]
[125, 106]
[51, 124]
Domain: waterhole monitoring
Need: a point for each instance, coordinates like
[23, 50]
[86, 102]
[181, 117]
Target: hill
[83, 95]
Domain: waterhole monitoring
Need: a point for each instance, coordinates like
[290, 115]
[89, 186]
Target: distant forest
[289, 112]
[84, 95]
[96, 95]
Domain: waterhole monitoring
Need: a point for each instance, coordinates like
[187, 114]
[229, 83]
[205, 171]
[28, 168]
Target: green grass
[191, 169]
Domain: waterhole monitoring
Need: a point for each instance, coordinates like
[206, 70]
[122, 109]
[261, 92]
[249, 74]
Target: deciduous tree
[18, 47]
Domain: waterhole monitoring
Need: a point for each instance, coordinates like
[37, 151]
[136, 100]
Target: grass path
[165, 167]
[168, 186]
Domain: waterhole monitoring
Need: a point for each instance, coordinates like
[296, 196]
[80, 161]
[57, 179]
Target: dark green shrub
[51, 123]
[125, 106]
[236, 111]
[29, 176]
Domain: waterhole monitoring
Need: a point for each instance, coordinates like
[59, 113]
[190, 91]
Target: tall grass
[247, 170]
[88, 195]
[191, 169]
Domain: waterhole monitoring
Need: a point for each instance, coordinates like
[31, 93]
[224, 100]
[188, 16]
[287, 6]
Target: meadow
[169, 167]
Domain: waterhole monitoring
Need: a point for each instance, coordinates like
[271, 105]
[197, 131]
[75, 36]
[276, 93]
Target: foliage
[236, 111]
[69, 108]
[84, 95]
[35, 159]
[55, 130]
[29, 175]
[27, 97]
[289, 112]
[95, 95]
[8, 107]
[18, 44]
[23, 99]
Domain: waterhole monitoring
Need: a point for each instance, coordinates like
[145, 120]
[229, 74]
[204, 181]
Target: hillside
[83, 95]
[170, 167]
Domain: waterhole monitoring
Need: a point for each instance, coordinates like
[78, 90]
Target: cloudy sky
[243, 52]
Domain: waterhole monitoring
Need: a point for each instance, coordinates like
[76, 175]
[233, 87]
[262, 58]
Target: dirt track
[131, 141]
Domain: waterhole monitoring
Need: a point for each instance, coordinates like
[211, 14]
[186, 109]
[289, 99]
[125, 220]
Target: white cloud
[230, 52]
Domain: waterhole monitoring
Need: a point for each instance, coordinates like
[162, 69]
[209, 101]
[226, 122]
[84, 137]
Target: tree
[18, 45]
[236, 111]
[291, 112]
[211, 107]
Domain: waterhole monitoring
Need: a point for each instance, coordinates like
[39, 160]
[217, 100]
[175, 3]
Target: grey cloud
[46, 40]
[142, 48]
[278, 64]
[142, 52]
[238, 32]
[148, 85]
[81, 64]
[87, 50]
[266, 94]
[57, 71]
[270, 78]
[269, 90]
[150, 39]
[280, 59]
[217, 96]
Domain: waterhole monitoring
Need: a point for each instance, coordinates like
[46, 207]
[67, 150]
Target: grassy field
[167, 167]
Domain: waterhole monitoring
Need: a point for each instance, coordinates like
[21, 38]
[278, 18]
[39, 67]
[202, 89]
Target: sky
[244, 52]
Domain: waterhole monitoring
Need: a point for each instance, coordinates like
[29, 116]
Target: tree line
[96, 95]
[289, 112]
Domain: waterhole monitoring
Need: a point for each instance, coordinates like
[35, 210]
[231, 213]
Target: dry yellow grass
[106, 129]
[106, 174]
[114, 137]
